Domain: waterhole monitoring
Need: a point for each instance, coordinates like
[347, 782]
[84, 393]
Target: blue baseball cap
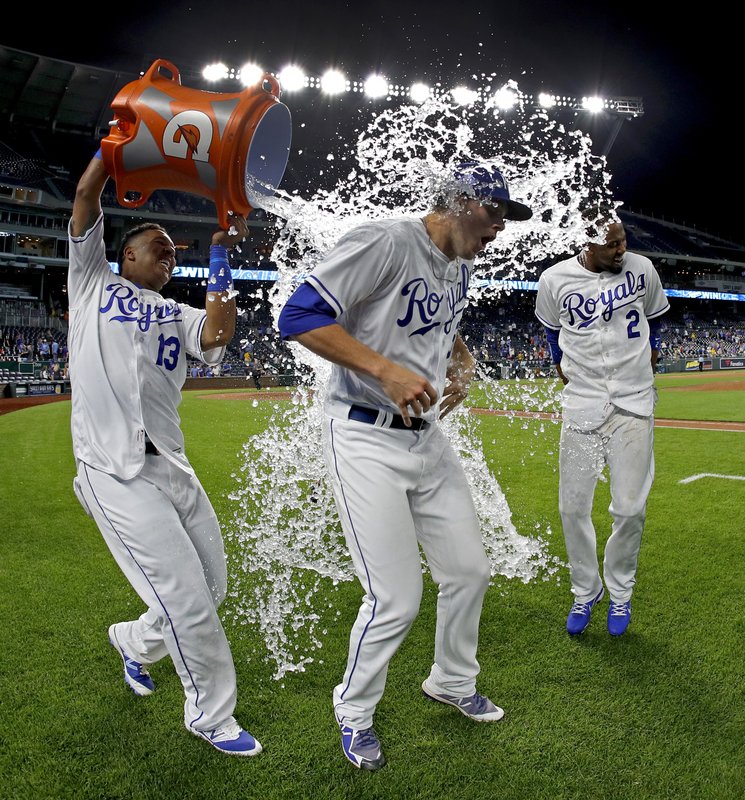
[487, 183]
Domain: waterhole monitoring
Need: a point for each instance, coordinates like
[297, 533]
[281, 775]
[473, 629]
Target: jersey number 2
[633, 318]
[168, 359]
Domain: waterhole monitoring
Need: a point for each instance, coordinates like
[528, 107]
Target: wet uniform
[603, 328]
[396, 488]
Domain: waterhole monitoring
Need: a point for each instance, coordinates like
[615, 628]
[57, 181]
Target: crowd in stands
[45, 348]
[722, 337]
[256, 349]
[503, 334]
[32, 344]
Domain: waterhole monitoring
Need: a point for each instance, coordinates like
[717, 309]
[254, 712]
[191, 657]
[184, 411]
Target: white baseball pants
[395, 490]
[625, 442]
[164, 535]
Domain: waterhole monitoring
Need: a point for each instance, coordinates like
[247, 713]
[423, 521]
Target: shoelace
[581, 608]
[226, 733]
[477, 702]
[137, 670]
[366, 738]
[617, 610]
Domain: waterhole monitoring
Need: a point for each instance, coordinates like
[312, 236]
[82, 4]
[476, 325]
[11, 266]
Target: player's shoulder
[392, 226]
[638, 260]
[386, 231]
[559, 269]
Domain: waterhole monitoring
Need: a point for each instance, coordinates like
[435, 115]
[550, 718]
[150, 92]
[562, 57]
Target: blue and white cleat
[136, 676]
[619, 616]
[230, 738]
[475, 706]
[579, 614]
[362, 747]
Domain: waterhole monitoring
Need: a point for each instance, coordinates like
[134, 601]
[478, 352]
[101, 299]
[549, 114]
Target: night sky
[678, 161]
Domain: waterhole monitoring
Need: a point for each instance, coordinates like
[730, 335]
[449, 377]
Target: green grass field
[657, 713]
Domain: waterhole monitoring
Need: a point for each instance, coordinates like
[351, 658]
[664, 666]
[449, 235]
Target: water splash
[287, 553]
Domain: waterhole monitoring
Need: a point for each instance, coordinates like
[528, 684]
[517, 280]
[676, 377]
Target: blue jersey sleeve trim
[322, 290]
[545, 324]
[655, 338]
[552, 336]
[659, 313]
[304, 311]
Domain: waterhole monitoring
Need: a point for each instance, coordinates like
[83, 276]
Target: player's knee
[401, 605]
[573, 506]
[480, 574]
[410, 605]
[630, 515]
[471, 576]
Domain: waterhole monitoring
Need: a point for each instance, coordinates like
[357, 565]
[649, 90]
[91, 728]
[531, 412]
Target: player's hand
[235, 234]
[408, 391]
[456, 391]
[454, 394]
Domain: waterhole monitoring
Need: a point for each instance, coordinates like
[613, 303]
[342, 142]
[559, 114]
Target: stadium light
[292, 79]
[546, 100]
[464, 96]
[376, 86]
[215, 72]
[333, 82]
[250, 74]
[419, 92]
[593, 104]
[505, 98]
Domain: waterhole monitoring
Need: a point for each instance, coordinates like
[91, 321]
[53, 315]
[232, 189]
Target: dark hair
[597, 216]
[133, 233]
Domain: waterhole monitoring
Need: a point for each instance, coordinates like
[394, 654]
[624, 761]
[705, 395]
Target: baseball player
[128, 349]
[601, 311]
[384, 306]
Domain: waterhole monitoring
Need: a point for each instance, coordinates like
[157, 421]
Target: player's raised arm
[220, 304]
[86, 207]
[128, 360]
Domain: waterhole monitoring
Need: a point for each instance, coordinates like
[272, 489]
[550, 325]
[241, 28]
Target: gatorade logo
[188, 135]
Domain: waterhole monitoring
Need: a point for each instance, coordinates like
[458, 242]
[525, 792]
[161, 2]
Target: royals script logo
[127, 308]
[583, 311]
[423, 305]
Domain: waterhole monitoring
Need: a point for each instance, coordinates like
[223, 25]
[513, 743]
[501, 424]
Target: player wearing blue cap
[384, 306]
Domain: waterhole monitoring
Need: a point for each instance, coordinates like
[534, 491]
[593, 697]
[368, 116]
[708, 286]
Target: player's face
[610, 256]
[150, 259]
[477, 225]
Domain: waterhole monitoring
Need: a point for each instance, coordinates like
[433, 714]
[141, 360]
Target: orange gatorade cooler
[230, 148]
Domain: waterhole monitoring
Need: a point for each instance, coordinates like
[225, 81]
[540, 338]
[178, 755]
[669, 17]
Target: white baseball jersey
[128, 349]
[602, 319]
[412, 300]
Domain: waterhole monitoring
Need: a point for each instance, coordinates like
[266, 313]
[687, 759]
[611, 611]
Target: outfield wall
[702, 364]
[36, 388]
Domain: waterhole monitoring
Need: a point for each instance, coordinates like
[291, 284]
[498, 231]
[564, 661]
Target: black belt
[151, 449]
[370, 415]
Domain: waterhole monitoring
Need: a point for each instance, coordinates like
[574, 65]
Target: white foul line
[712, 475]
